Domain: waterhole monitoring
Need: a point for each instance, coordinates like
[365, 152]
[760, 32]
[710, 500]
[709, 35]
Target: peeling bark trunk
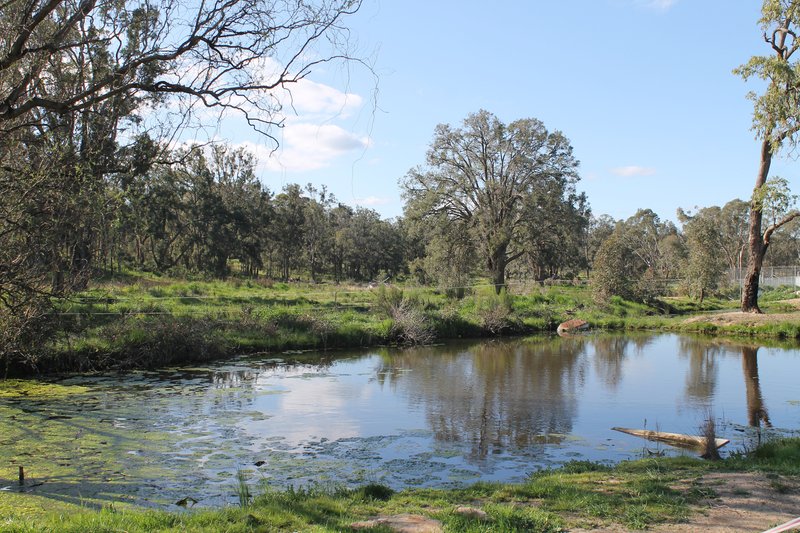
[758, 248]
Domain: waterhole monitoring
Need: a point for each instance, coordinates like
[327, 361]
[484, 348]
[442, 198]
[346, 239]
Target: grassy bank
[144, 321]
[634, 495]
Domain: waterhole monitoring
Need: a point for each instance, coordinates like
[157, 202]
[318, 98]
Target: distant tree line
[204, 211]
[643, 257]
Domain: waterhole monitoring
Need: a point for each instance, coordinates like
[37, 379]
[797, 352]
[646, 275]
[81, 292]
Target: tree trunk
[756, 241]
[497, 267]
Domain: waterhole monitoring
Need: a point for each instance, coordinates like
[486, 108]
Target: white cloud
[632, 171]
[307, 96]
[314, 116]
[372, 201]
[306, 146]
[660, 5]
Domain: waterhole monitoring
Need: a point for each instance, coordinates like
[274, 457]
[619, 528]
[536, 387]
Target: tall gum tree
[482, 175]
[776, 120]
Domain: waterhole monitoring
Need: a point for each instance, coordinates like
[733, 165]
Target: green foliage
[614, 271]
[637, 258]
[774, 199]
[122, 325]
[486, 187]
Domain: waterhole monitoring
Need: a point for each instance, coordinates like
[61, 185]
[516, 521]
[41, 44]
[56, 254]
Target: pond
[432, 416]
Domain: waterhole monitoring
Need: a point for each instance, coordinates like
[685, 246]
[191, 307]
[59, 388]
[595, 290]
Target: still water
[433, 416]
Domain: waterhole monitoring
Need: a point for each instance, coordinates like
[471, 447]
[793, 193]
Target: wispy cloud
[660, 5]
[309, 97]
[316, 122]
[372, 201]
[633, 171]
[307, 146]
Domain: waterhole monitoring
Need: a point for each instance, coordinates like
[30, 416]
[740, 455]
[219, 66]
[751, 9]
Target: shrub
[495, 312]
[409, 323]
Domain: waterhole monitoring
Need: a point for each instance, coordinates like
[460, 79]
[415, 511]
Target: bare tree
[221, 54]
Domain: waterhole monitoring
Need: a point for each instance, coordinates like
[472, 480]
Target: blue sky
[642, 88]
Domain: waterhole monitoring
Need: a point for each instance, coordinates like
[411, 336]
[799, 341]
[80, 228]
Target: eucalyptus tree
[785, 246]
[706, 265]
[372, 246]
[616, 270]
[482, 175]
[556, 231]
[318, 232]
[449, 257]
[600, 228]
[733, 225]
[339, 218]
[640, 256]
[776, 121]
[289, 228]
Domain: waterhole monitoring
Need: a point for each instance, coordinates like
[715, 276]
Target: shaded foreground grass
[147, 322]
[633, 494]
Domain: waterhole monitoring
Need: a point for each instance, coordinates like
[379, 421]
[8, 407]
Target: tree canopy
[485, 177]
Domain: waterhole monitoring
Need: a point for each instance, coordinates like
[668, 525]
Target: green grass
[635, 494]
[145, 321]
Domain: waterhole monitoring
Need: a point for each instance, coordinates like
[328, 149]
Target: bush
[495, 313]
[149, 343]
[409, 323]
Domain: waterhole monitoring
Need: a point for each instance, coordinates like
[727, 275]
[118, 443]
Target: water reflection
[422, 417]
[756, 410]
[610, 353]
[495, 396]
[702, 374]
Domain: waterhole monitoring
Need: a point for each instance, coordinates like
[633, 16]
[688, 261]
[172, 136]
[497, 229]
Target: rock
[571, 326]
[472, 512]
[403, 523]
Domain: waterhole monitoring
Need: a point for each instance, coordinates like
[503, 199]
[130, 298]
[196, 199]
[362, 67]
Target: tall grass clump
[495, 312]
[409, 323]
[149, 342]
[243, 489]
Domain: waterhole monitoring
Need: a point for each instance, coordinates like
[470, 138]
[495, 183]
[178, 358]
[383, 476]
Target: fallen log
[571, 326]
[673, 439]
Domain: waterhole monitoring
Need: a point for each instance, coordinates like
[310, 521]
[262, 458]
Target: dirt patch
[743, 502]
[746, 319]
[404, 523]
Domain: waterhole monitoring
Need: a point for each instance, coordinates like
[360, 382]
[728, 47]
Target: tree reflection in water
[703, 372]
[495, 396]
[756, 410]
[701, 381]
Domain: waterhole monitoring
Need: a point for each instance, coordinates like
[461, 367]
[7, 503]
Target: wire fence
[772, 276]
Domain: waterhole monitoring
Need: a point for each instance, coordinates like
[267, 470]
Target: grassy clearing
[145, 321]
[634, 494]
